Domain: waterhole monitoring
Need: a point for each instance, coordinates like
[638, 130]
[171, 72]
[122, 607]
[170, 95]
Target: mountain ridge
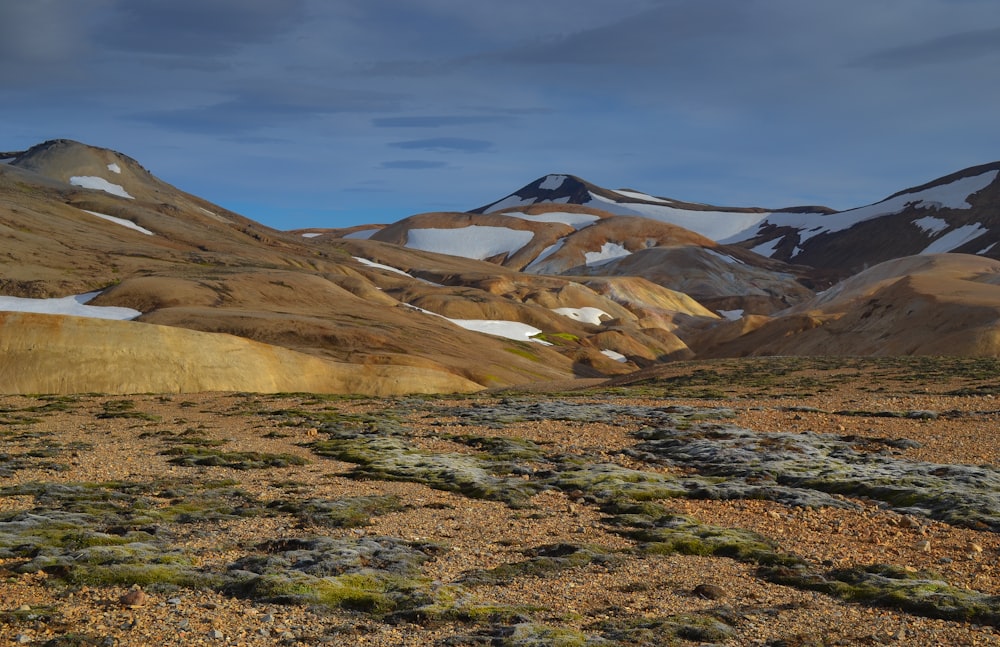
[526, 289]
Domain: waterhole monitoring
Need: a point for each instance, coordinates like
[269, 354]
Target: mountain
[582, 241]
[713, 222]
[956, 213]
[938, 304]
[558, 281]
[79, 219]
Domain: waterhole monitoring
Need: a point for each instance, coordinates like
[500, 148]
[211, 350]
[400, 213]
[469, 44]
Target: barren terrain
[694, 505]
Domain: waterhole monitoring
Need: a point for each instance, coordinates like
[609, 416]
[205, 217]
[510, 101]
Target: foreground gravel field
[740, 502]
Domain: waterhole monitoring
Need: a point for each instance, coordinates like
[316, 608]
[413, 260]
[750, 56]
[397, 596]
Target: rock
[215, 634]
[924, 546]
[709, 592]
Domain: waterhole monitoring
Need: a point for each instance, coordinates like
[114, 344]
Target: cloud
[446, 144]
[438, 121]
[43, 40]
[413, 165]
[954, 48]
[197, 27]
[251, 111]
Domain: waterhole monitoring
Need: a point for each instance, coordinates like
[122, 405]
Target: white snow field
[99, 183]
[615, 355]
[716, 225]
[586, 314]
[946, 196]
[476, 241]
[956, 238]
[120, 221]
[365, 261]
[72, 305]
[574, 220]
[114, 168]
[609, 252]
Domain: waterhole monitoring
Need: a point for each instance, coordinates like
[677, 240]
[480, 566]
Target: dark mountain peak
[554, 187]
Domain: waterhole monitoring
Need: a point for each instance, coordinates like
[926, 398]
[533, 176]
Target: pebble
[215, 634]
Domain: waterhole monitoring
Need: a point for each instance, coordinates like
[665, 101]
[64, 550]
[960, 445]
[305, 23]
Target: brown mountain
[530, 288]
[79, 219]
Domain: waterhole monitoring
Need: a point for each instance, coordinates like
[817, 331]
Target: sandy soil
[88, 443]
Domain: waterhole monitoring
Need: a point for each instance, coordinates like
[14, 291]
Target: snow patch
[365, 261]
[575, 220]
[548, 251]
[499, 328]
[987, 248]
[120, 221]
[71, 305]
[615, 355]
[717, 225]
[362, 234]
[731, 315]
[311, 234]
[552, 182]
[768, 248]
[609, 252]
[956, 238]
[931, 225]
[100, 184]
[511, 202]
[641, 196]
[476, 241]
[586, 314]
[114, 168]
[725, 258]
[947, 196]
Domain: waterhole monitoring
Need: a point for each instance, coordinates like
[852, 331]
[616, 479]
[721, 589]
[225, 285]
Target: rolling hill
[559, 280]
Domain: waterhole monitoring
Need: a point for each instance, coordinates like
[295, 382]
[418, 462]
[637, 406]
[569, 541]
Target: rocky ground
[741, 502]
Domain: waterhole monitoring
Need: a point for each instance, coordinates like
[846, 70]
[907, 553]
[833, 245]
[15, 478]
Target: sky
[332, 113]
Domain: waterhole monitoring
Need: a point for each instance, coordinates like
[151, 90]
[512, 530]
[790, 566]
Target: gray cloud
[252, 111]
[446, 144]
[946, 50]
[438, 121]
[197, 27]
[413, 165]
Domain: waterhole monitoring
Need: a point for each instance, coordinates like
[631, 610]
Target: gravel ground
[93, 439]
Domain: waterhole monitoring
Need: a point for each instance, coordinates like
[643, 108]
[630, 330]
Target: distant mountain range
[561, 279]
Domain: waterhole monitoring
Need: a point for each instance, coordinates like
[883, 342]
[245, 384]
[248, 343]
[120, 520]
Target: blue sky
[313, 113]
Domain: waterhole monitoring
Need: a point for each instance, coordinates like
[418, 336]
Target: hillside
[560, 280]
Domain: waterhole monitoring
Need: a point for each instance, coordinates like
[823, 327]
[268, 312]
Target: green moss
[389, 458]
[342, 513]
[123, 409]
[523, 352]
[190, 456]
[669, 630]
[544, 561]
[896, 588]
[369, 592]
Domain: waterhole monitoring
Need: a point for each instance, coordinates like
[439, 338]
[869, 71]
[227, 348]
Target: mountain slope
[956, 213]
[184, 262]
[939, 304]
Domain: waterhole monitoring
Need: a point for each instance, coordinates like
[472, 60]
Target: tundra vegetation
[293, 473]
